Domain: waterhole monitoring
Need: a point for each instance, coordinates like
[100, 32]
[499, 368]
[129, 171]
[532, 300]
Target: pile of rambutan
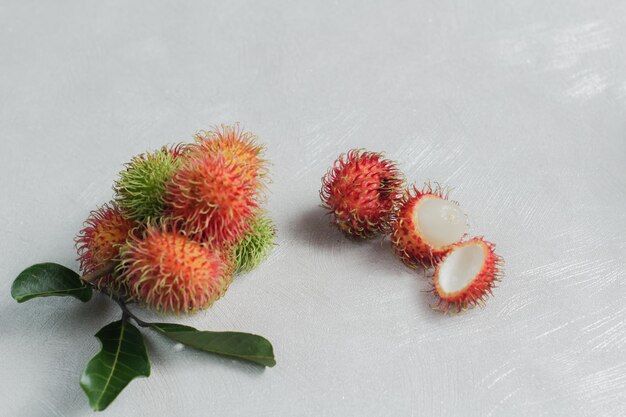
[184, 220]
[365, 196]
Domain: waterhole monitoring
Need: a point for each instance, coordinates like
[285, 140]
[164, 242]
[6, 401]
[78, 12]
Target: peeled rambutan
[99, 242]
[169, 272]
[426, 227]
[209, 199]
[466, 275]
[256, 244]
[361, 193]
[140, 187]
[238, 147]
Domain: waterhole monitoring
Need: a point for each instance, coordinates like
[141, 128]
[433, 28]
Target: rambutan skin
[361, 193]
[481, 287]
[140, 187]
[407, 243]
[238, 147]
[256, 245]
[99, 242]
[210, 200]
[166, 271]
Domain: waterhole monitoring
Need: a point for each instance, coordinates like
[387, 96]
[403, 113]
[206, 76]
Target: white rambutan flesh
[440, 222]
[459, 269]
[467, 274]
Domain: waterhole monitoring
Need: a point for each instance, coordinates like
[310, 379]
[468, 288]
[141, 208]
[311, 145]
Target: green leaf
[123, 357]
[46, 280]
[243, 346]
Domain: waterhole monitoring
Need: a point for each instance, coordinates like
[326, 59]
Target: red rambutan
[209, 199]
[361, 193]
[427, 224]
[466, 275]
[238, 147]
[99, 242]
[167, 271]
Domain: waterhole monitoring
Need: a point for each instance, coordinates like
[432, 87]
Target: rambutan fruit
[427, 225]
[99, 242]
[361, 193]
[256, 244]
[210, 200]
[466, 275]
[140, 187]
[165, 270]
[238, 147]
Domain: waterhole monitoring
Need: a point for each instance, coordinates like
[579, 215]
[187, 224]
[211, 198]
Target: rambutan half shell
[426, 226]
[99, 242]
[169, 272]
[361, 193]
[210, 200]
[466, 275]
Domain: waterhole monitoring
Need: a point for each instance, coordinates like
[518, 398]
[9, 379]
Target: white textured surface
[519, 105]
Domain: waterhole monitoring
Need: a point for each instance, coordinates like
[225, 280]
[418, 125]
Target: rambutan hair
[361, 193]
[209, 199]
[165, 270]
[256, 244]
[466, 276]
[238, 147]
[407, 237]
[140, 187]
[105, 231]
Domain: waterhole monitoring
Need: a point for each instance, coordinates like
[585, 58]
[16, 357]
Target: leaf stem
[108, 268]
[129, 313]
[125, 311]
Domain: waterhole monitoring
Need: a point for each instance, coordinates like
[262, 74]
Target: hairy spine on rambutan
[140, 187]
[98, 243]
[361, 193]
[238, 147]
[426, 226]
[466, 276]
[257, 243]
[210, 200]
[169, 272]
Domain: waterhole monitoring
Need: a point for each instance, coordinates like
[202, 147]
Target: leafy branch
[124, 356]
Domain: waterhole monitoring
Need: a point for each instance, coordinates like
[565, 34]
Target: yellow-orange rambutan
[99, 242]
[167, 271]
[210, 200]
[238, 147]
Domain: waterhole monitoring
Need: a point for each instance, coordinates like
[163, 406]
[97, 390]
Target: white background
[518, 105]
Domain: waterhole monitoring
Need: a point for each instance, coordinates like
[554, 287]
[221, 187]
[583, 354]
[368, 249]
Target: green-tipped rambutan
[140, 187]
[238, 147]
[99, 242]
[256, 244]
[361, 193]
[210, 200]
[169, 272]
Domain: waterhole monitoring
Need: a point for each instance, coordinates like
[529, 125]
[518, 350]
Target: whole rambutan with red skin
[210, 200]
[427, 224]
[167, 271]
[140, 187]
[467, 274]
[99, 242]
[238, 147]
[361, 193]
